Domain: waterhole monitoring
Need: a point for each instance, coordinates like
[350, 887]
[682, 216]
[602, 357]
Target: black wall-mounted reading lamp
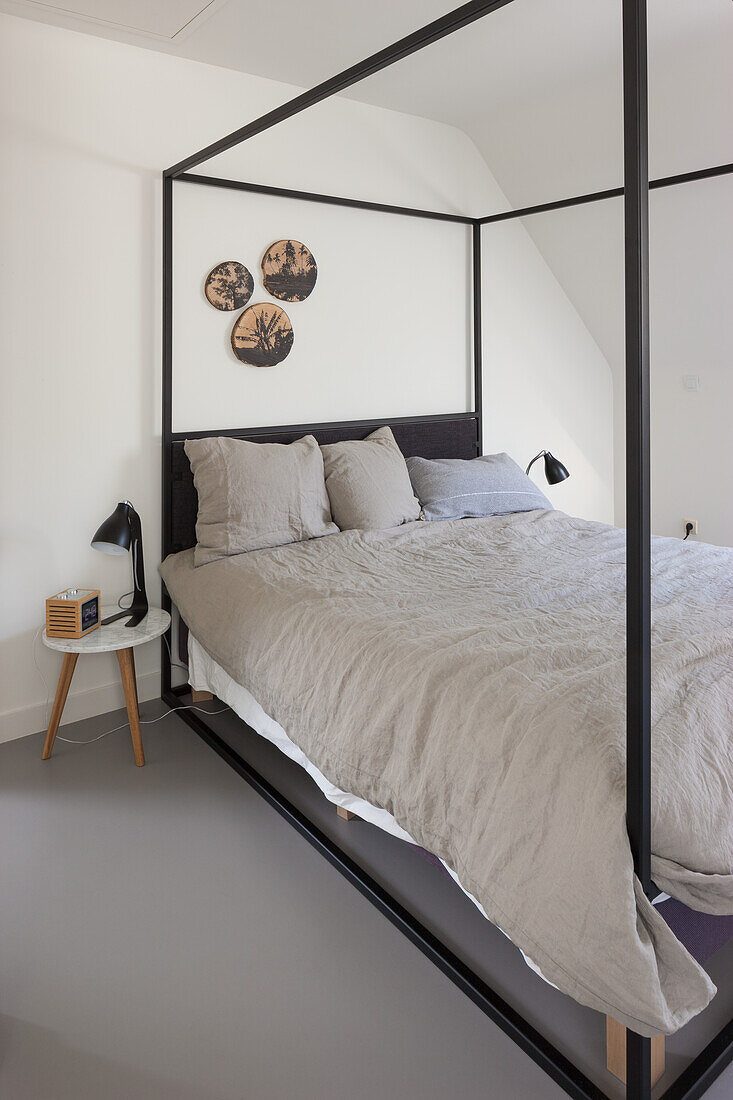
[555, 472]
[120, 532]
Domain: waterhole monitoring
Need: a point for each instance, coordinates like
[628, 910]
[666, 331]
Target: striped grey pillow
[455, 488]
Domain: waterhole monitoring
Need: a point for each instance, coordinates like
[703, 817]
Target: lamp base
[137, 611]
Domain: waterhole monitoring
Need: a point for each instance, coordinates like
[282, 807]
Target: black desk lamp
[555, 472]
[120, 532]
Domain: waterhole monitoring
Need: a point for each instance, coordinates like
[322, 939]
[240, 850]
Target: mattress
[468, 678]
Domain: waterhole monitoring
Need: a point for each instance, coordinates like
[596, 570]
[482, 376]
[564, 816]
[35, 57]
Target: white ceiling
[124, 19]
[508, 54]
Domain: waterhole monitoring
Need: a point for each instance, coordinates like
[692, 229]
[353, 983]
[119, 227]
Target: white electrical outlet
[693, 522]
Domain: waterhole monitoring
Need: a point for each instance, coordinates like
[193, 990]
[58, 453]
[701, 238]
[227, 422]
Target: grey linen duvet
[469, 677]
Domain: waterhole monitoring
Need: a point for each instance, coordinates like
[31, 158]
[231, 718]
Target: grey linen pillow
[368, 483]
[255, 495]
[456, 488]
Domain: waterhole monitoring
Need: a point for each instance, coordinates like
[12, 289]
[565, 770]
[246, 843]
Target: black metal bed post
[477, 350]
[638, 459]
[167, 417]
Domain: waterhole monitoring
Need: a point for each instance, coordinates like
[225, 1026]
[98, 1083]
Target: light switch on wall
[691, 382]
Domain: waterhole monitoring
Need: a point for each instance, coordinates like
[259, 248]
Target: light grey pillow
[255, 495]
[368, 483]
[456, 488]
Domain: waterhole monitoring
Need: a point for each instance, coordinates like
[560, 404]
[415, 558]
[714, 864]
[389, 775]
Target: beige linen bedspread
[469, 677]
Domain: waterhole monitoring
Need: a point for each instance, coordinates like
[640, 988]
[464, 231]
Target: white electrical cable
[119, 602]
[147, 722]
[174, 664]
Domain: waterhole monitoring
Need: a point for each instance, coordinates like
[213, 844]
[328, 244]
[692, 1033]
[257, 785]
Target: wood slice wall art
[289, 271]
[263, 335]
[229, 285]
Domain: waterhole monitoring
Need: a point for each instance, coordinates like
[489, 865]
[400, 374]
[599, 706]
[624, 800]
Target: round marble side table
[120, 638]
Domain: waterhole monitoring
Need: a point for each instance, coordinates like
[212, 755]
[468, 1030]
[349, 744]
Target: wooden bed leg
[201, 696]
[616, 1051]
[345, 814]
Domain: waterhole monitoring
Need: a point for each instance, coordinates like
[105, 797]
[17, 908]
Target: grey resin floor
[165, 935]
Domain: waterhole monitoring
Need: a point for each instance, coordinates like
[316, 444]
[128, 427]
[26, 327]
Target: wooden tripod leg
[67, 671]
[345, 814]
[126, 660]
[616, 1051]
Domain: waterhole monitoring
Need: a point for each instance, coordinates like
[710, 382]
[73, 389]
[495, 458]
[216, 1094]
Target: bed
[449, 683]
[627, 765]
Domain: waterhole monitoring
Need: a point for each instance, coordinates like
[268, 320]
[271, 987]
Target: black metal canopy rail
[635, 192]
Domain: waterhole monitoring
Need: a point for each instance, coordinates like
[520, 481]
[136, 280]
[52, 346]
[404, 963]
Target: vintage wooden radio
[73, 613]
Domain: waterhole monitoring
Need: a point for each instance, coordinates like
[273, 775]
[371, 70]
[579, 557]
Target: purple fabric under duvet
[701, 933]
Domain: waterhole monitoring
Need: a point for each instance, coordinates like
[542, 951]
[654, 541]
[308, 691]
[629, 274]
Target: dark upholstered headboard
[445, 436]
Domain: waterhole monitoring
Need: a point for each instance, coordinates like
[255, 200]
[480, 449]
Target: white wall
[691, 319]
[569, 142]
[548, 385]
[385, 332]
[88, 126]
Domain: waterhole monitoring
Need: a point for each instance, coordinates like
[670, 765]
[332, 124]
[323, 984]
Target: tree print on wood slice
[229, 285]
[263, 335]
[289, 271]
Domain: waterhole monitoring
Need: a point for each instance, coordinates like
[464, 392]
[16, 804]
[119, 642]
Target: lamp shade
[113, 536]
[555, 472]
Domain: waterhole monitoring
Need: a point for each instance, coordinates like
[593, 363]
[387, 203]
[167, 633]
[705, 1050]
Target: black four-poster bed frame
[432, 434]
